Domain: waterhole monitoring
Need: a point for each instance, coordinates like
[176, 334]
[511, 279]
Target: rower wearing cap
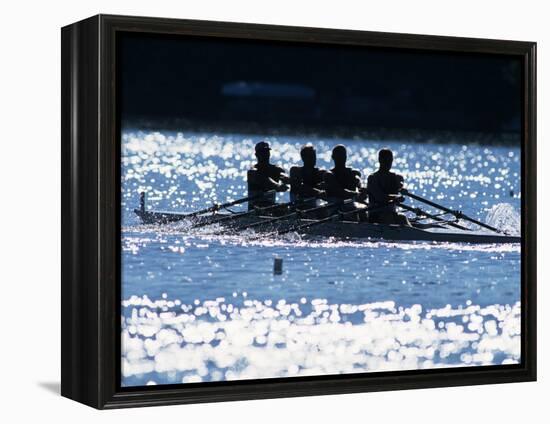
[307, 181]
[342, 182]
[264, 177]
[383, 188]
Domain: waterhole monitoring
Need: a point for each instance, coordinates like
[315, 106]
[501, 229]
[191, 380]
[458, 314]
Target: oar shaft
[217, 207]
[455, 213]
[429, 202]
[286, 216]
[328, 219]
[222, 219]
[434, 217]
[237, 215]
[248, 213]
[264, 222]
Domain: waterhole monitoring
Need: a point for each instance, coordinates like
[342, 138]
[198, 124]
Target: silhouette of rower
[264, 177]
[342, 182]
[383, 188]
[307, 181]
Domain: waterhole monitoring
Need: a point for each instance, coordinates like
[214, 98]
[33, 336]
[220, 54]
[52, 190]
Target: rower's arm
[306, 191]
[297, 185]
[278, 186]
[357, 176]
[281, 184]
[400, 182]
[295, 179]
[335, 189]
[259, 182]
[401, 185]
[380, 196]
[285, 179]
[362, 196]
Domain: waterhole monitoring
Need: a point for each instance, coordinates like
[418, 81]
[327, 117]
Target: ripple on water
[330, 322]
[168, 341]
[142, 234]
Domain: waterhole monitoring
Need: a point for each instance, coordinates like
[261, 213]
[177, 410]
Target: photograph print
[292, 210]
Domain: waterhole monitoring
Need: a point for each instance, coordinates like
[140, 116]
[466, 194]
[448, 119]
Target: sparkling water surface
[203, 307]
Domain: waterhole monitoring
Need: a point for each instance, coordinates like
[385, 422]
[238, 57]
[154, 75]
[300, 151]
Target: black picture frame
[91, 218]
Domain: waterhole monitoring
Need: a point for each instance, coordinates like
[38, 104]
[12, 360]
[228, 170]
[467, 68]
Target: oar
[296, 213]
[455, 213]
[420, 216]
[419, 211]
[239, 215]
[217, 207]
[255, 211]
[329, 218]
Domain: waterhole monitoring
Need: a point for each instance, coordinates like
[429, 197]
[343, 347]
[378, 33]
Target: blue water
[201, 307]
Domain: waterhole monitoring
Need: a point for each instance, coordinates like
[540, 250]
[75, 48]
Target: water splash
[504, 217]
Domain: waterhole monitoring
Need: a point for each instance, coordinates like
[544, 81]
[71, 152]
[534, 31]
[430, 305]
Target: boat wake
[249, 238]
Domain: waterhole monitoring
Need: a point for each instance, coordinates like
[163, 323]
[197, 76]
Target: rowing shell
[342, 229]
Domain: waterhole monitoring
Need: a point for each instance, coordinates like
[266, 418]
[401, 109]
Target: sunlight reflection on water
[186, 172]
[171, 342]
[220, 313]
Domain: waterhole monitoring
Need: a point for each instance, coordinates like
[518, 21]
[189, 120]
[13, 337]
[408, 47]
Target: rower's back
[341, 182]
[260, 179]
[382, 184]
[264, 177]
[383, 189]
[305, 182]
